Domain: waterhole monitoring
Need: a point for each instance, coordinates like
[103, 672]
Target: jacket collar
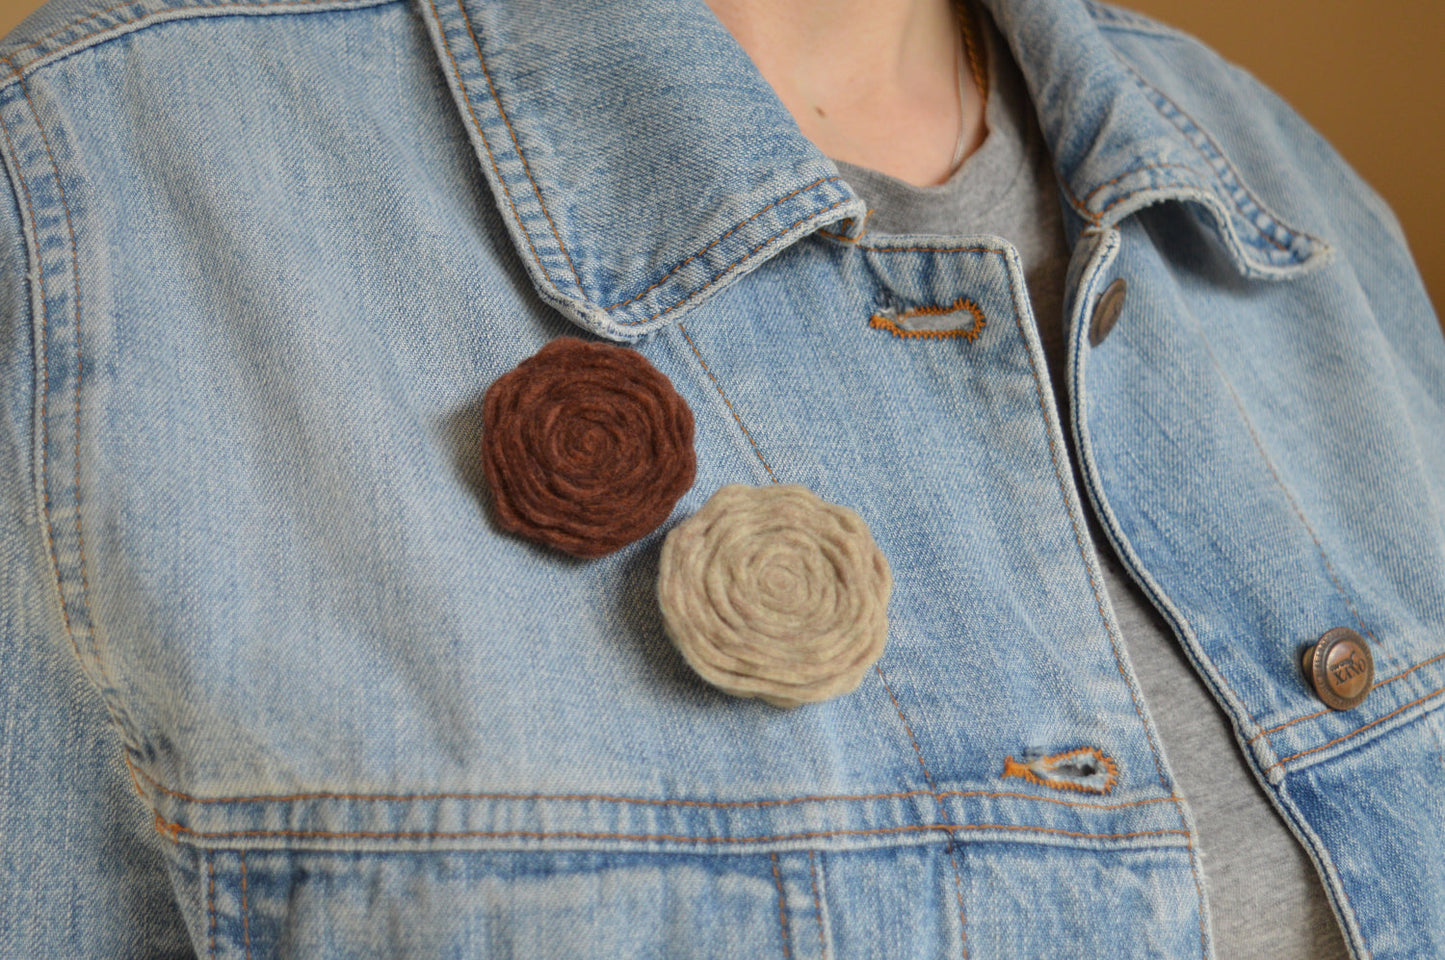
[642, 163]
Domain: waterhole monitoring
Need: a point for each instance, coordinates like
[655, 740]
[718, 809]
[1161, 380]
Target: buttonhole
[1082, 769]
[961, 319]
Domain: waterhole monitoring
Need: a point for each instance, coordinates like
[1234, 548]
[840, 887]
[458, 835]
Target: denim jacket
[275, 684]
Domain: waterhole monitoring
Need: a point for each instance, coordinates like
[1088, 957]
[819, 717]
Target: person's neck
[870, 82]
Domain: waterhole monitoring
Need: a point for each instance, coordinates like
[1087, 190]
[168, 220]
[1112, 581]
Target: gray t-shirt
[1265, 896]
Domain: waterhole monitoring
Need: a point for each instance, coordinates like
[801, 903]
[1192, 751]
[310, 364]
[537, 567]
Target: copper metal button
[1106, 311]
[1341, 668]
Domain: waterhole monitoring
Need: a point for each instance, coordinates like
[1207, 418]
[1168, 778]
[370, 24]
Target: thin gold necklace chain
[972, 48]
[974, 52]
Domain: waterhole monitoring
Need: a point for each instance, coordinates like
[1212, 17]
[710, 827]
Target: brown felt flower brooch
[771, 592]
[586, 447]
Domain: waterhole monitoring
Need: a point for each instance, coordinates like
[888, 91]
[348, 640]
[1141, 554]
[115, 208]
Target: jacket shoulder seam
[117, 19]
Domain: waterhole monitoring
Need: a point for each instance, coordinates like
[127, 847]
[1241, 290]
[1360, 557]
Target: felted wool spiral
[586, 447]
[774, 593]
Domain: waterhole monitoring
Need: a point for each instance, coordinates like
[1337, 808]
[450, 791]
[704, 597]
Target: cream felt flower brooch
[774, 593]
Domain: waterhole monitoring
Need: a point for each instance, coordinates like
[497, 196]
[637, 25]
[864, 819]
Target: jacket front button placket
[1341, 668]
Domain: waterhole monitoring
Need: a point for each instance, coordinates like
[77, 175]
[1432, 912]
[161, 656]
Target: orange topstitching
[1295, 756]
[173, 830]
[720, 239]
[880, 322]
[536, 190]
[1024, 771]
[942, 810]
[637, 801]
[782, 907]
[1317, 713]
[728, 403]
[245, 910]
[817, 908]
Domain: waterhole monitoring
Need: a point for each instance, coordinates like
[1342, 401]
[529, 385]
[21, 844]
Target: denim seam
[1108, 17]
[1143, 30]
[536, 189]
[841, 238]
[237, 8]
[938, 800]
[1170, 610]
[817, 907]
[1155, 594]
[491, 157]
[635, 801]
[1088, 197]
[516, 144]
[1097, 219]
[958, 895]
[1289, 497]
[1109, 631]
[1079, 542]
[870, 248]
[79, 364]
[165, 15]
[173, 830]
[734, 229]
[1332, 882]
[728, 403]
[1320, 713]
[211, 901]
[1359, 730]
[245, 909]
[782, 908]
[1237, 188]
[74, 23]
[44, 352]
[733, 266]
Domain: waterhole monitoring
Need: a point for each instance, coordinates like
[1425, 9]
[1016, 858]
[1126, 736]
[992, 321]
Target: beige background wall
[1369, 75]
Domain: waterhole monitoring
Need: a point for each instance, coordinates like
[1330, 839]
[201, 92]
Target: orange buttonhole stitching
[881, 321]
[1085, 769]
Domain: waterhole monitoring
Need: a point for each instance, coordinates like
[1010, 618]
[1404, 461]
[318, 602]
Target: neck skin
[870, 82]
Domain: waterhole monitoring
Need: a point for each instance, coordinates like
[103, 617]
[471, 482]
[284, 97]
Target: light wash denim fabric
[260, 262]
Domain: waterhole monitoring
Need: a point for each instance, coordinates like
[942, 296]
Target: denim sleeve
[1374, 245]
[81, 873]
